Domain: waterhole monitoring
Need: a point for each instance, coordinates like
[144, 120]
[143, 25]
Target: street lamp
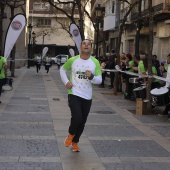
[98, 12]
[29, 43]
[33, 45]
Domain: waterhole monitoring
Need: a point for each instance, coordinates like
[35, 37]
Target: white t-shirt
[38, 58]
[47, 60]
[82, 86]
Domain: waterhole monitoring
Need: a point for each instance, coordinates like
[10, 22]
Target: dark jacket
[112, 61]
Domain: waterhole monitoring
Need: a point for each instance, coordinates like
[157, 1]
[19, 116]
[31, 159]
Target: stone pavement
[34, 119]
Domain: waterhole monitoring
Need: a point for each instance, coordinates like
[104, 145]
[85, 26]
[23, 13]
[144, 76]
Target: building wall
[56, 34]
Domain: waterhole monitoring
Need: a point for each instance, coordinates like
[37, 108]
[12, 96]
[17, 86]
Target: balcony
[160, 12]
[109, 22]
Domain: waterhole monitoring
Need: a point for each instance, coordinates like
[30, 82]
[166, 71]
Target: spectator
[3, 71]
[129, 86]
[156, 64]
[140, 68]
[103, 61]
[111, 66]
[166, 68]
[120, 75]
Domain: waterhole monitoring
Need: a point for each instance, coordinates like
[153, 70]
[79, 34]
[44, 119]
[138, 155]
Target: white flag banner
[44, 52]
[71, 51]
[74, 30]
[14, 30]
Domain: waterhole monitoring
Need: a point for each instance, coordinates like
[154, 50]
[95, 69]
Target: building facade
[51, 26]
[115, 12]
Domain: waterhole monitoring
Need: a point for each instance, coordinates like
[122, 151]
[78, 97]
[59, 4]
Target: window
[44, 22]
[113, 7]
[64, 22]
[41, 6]
[64, 6]
[110, 7]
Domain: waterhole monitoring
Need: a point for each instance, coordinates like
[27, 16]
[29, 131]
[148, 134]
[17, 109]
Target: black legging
[1, 84]
[80, 109]
[47, 67]
[38, 67]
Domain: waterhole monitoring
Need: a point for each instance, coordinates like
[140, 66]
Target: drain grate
[132, 111]
[57, 99]
[105, 112]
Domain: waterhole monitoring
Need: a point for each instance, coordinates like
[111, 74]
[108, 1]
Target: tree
[121, 29]
[151, 13]
[2, 7]
[75, 13]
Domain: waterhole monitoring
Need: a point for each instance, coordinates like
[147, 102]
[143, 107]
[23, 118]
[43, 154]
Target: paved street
[34, 119]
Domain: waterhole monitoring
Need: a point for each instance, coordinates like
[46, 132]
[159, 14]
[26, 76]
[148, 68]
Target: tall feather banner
[14, 30]
[71, 51]
[44, 52]
[74, 30]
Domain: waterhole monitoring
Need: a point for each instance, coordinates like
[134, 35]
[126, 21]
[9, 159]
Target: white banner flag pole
[74, 30]
[71, 51]
[14, 30]
[44, 52]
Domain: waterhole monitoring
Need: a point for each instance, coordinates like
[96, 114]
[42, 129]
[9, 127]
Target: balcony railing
[156, 8]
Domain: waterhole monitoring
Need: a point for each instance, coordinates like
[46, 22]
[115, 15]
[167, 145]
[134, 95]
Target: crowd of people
[128, 63]
[134, 64]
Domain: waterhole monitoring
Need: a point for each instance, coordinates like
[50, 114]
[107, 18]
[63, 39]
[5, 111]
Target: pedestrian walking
[85, 71]
[37, 60]
[3, 71]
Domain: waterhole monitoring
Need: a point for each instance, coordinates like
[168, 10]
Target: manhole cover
[56, 99]
[105, 112]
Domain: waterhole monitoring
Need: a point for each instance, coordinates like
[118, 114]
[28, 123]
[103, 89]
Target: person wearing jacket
[111, 65]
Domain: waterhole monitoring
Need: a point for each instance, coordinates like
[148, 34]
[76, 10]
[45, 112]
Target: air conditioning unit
[127, 22]
[167, 22]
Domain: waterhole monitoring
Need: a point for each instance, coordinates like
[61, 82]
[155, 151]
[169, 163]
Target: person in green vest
[156, 82]
[3, 71]
[141, 69]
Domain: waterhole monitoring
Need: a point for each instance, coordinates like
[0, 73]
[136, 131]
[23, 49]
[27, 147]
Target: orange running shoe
[75, 147]
[68, 140]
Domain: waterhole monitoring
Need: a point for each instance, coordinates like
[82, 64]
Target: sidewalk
[34, 119]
